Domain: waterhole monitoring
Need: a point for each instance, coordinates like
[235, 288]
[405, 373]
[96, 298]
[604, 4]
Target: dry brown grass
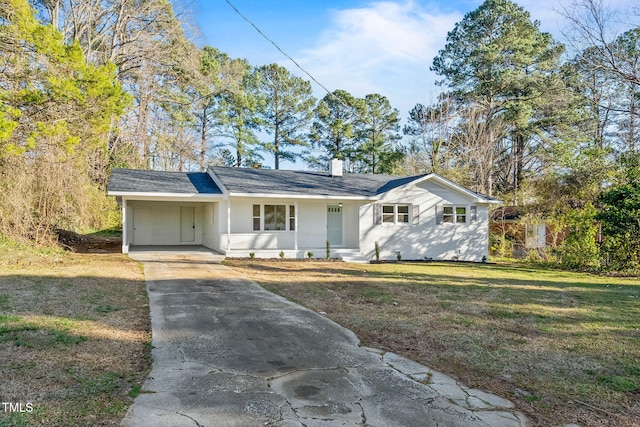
[74, 336]
[564, 347]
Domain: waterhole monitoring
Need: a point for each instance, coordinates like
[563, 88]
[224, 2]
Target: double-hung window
[256, 217]
[292, 217]
[455, 214]
[395, 214]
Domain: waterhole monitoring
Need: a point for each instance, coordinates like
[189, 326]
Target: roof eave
[303, 196]
[444, 181]
[147, 195]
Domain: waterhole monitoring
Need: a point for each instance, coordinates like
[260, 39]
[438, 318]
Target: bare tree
[474, 141]
[595, 26]
[610, 52]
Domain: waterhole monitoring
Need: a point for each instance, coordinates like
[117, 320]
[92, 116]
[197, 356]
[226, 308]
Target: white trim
[295, 221]
[454, 215]
[166, 196]
[228, 225]
[396, 214]
[478, 199]
[125, 243]
[302, 196]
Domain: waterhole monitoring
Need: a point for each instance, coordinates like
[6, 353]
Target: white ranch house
[237, 211]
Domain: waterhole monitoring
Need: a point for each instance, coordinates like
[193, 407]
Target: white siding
[210, 235]
[426, 239]
[311, 220]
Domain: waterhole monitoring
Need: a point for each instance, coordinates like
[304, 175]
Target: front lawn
[74, 337]
[563, 346]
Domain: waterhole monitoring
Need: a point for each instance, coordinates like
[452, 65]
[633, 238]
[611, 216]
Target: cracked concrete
[229, 353]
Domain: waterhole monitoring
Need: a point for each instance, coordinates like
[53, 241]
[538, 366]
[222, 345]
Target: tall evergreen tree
[239, 116]
[377, 131]
[498, 59]
[333, 131]
[219, 75]
[287, 111]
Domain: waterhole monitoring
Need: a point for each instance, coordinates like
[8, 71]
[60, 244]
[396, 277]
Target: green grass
[564, 346]
[74, 336]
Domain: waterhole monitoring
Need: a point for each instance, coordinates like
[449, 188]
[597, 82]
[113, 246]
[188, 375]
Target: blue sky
[360, 46]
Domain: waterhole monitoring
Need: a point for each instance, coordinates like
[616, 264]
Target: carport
[166, 208]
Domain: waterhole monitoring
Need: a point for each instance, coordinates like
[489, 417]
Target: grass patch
[135, 391]
[564, 346]
[74, 336]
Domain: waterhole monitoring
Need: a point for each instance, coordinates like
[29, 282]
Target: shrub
[281, 255]
[252, 255]
[328, 249]
[309, 255]
[377, 248]
[579, 248]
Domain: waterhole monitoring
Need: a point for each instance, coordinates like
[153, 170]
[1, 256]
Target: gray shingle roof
[145, 181]
[271, 181]
[259, 181]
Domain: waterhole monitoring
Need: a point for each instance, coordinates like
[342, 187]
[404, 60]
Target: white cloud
[388, 46]
[384, 48]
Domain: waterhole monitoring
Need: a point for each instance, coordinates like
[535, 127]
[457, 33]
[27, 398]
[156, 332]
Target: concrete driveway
[229, 353]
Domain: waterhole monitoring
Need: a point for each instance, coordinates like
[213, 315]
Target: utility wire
[350, 107]
[276, 46]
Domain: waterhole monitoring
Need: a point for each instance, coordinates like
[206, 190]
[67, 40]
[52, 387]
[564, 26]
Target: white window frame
[451, 212]
[289, 216]
[254, 217]
[395, 214]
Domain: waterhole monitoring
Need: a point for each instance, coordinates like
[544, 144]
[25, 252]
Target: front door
[187, 224]
[142, 226]
[334, 225]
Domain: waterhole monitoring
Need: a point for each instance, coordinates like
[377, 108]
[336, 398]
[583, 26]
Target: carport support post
[295, 221]
[228, 225]
[125, 243]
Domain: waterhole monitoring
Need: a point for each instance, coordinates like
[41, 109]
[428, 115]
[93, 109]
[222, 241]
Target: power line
[276, 46]
[354, 112]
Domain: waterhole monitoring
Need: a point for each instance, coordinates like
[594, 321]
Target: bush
[620, 216]
[579, 249]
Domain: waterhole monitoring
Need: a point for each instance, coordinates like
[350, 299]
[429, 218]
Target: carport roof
[309, 183]
[146, 181]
